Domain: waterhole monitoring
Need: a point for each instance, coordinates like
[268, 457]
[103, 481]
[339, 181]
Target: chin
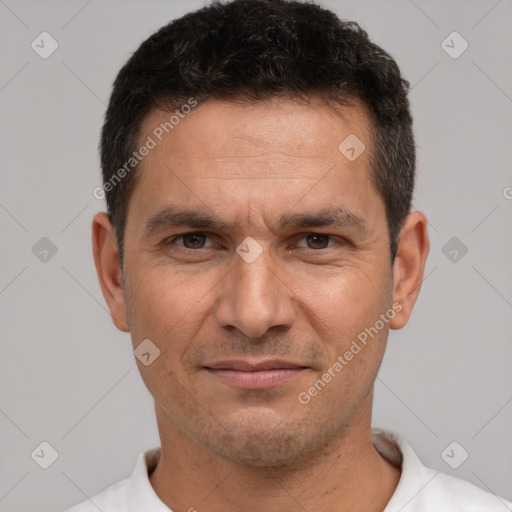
[264, 440]
[261, 449]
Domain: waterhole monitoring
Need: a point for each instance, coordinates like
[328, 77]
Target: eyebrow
[183, 217]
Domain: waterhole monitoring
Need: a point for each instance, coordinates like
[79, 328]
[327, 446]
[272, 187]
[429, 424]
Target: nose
[255, 297]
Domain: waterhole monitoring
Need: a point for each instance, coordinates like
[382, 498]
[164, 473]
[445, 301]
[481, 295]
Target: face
[256, 256]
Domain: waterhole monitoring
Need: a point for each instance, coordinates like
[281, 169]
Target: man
[258, 163]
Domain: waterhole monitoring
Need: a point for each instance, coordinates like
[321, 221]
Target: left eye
[191, 240]
[316, 241]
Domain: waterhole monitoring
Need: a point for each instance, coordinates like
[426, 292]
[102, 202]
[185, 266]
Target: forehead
[260, 156]
[279, 126]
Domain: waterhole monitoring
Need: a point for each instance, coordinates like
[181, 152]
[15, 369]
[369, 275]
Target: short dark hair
[254, 50]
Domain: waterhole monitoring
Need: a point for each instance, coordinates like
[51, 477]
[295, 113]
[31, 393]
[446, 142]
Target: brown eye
[194, 240]
[190, 240]
[317, 241]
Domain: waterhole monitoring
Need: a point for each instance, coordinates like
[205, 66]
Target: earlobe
[409, 266]
[106, 260]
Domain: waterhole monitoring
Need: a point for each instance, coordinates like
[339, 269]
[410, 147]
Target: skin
[302, 300]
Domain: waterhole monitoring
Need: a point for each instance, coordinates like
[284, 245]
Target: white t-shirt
[420, 489]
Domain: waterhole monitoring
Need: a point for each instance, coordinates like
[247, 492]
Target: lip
[253, 366]
[255, 375]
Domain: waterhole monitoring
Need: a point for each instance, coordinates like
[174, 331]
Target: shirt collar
[140, 494]
[415, 476]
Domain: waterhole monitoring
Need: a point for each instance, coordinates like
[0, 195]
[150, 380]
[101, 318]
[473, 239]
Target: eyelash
[171, 240]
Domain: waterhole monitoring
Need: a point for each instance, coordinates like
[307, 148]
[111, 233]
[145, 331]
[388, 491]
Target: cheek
[344, 301]
[172, 303]
[344, 312]
[169, 308]
[169, 303]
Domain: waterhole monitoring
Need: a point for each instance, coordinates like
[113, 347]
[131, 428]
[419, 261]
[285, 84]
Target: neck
[345, 474]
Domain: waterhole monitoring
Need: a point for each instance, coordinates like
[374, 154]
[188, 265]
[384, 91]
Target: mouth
[255, 375]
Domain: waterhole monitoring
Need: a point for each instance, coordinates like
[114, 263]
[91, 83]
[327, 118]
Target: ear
[412, 252]
[106, 259]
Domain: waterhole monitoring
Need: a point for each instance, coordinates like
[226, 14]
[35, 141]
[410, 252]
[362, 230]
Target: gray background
[69, 378]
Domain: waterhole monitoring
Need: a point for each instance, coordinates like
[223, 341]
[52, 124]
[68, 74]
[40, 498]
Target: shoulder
[423, 489]
[133, 493]
[448, 493]
[110, 499]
